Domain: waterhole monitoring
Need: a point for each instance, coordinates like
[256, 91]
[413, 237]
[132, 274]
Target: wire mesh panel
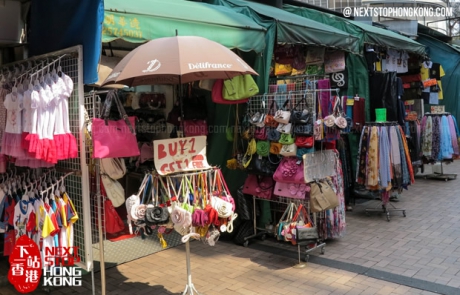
[71, 62]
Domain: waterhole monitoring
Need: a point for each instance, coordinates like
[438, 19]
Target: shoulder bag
[322, 196]
[115, 168]
[260, 186]
[114, 139]
[290, 170]
[239, 87]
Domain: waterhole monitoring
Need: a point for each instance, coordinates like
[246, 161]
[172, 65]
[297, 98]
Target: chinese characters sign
[118, 25]
[25, 265]
[180, 154]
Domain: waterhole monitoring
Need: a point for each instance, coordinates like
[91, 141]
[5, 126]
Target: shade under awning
[366, 33]
[143, 20]
[292, 28]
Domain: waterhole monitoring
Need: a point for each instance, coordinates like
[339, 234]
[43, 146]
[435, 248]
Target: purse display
[292, 190]
[273, 134]
[114, 190]
[113, 223]
[275, 148]
[304, 141]
[260, 133]
[283, 224]
[303, 151]
[286, 139]
[261, 166]
[152, 101]
[289, 150]
[269, 120]
[115, 168]
[282, 117]
[334, 61]
[239, 87]
[216, 94]
[284, 128]
[260, 186]
[107, 134]
[290, 170]
[308, 231]
[263, 148]
[303, 130]
[322, 196]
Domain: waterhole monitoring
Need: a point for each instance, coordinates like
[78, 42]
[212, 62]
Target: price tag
[350, 102]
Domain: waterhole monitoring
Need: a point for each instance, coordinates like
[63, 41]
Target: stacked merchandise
[384, 162]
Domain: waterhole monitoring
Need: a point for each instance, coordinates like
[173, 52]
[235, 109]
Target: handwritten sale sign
[180, 154]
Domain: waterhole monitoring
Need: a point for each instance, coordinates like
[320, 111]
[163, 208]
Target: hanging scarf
[395, 157]
[384, 159]
[372, 169]
[409, 167]
[405, 170]
[453, 135]
[338, 214]
[436, 139]
[427, 125]
[362, 152]
[446, 140]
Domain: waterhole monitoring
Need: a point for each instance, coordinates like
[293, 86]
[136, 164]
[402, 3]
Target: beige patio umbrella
[177, 60]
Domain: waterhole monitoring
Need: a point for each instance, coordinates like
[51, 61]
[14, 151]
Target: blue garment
[456, 126]
[405, 170]
[384, 158]
[446, 141]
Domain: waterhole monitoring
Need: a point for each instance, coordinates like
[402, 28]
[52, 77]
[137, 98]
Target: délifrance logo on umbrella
[207, 65]
[153, 66]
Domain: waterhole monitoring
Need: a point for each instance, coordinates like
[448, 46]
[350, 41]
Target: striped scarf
[427, 136]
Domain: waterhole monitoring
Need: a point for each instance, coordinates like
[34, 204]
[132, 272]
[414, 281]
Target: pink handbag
[195, 127]
[260, 186]
[216, 94]
[290, 170]
[260, 133]
[114, 139]
[292, 190]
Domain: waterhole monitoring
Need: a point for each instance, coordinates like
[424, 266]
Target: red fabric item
[330, 145]
[359, 116]
[411, 78]
[113, 222]
[8, 244]
[213, 216]
[217, 97]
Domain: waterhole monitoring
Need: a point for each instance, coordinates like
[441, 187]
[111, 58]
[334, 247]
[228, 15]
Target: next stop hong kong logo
[58, 266]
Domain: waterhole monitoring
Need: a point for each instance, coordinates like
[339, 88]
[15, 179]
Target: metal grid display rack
[286, 93]
[77, 185]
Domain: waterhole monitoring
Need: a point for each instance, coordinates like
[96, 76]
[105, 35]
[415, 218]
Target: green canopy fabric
[143, 20]
[294, 29]
[366, 33]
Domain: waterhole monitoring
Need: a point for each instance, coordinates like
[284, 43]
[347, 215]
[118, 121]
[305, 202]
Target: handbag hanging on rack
[322, 196]
[114, 139]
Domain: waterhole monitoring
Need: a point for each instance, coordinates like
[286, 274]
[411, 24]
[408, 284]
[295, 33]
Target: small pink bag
[292, 190]
[290, 170]
[260, 186]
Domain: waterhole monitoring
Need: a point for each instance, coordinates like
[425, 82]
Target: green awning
[291, 28]
[366, 33]
[143, 20]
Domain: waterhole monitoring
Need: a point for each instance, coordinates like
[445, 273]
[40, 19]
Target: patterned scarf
[436, 139]
[453, 135]
[362, 152]
[384, 159]
[405, 170]
[409, 167]
[395, 157]
[372, 168]
[446, 140]
[427, 127]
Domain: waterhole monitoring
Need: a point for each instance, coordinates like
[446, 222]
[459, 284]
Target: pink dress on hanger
[11, 141]
[67, 141]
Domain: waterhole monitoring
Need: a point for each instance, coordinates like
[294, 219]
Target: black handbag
[273, 134]
[303, 129]
[261, 166]
[155, 215]
[301, 117]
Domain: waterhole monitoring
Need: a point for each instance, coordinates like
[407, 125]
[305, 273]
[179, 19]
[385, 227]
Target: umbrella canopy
[175, 60]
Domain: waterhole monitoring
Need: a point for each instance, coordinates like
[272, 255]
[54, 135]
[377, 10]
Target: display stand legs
[189, 288]
[386, 210]
[441, 176]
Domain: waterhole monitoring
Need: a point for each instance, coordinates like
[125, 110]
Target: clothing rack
[383, 205]
[262, 232]
[440, 176]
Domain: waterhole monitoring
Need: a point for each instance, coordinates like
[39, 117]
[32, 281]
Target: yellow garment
[48, 226]
[373, 159]
[440, 96]
[378, 66]
[425, 73]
